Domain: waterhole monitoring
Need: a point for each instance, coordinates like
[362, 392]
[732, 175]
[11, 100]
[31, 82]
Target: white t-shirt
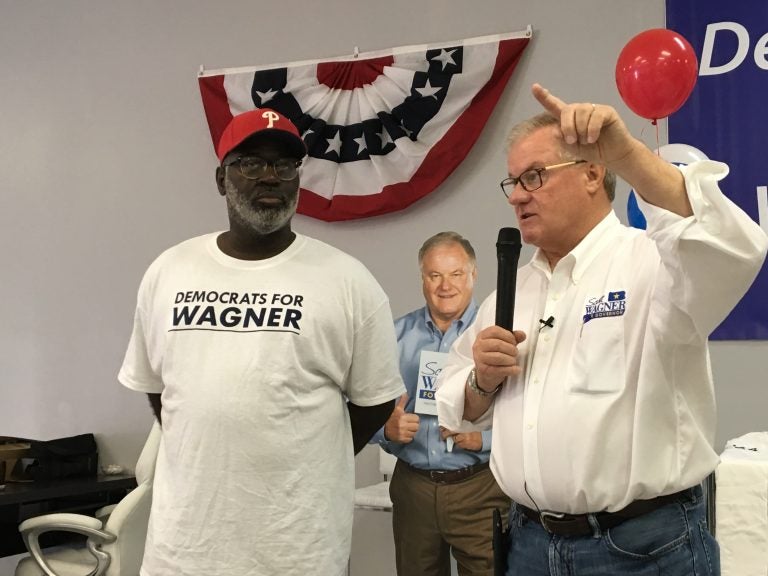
[255, 361]
[616, 401]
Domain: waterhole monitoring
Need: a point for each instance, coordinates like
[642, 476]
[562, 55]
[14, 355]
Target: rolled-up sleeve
[452, 379]
[719, 236]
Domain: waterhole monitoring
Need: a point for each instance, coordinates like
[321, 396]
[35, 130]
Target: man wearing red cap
[270, 359]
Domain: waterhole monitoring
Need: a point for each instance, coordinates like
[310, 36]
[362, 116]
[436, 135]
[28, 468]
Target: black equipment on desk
[61, 458]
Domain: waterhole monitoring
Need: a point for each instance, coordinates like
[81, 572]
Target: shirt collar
[578, 259]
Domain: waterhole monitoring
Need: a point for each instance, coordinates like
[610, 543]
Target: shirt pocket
[598, 359]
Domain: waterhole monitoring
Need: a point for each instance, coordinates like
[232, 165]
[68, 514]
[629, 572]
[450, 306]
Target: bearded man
[270, 360]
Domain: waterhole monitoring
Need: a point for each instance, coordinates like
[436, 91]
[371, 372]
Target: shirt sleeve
[487, 437]
[718, 236]
[451, 382]
[374, 376]
[137, 371]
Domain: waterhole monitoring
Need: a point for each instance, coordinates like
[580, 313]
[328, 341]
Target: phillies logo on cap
[271, 117]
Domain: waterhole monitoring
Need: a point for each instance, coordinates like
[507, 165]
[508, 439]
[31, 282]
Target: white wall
[105, 160]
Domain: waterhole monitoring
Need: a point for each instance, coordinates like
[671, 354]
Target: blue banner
[726, 117]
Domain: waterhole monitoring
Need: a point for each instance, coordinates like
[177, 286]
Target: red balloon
[656, 72]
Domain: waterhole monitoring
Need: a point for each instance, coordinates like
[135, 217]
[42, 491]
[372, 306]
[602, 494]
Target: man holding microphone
[601, 399]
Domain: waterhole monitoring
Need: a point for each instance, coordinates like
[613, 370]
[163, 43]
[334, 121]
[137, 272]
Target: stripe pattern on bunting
[383, 129]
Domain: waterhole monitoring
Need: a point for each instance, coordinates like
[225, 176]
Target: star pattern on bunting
[266, 96]
[361, 118]
[334, 144]
[372, 137]
[384, 137]
[361, 147]
[428, 90]
[445, 57]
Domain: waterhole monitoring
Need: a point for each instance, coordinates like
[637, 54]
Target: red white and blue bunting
[383, 129]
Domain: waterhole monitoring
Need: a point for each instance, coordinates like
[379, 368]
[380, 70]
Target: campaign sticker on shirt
[430, 365]
[614, 305]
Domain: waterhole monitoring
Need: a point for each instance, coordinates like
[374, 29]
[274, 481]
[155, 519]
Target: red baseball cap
[264, 121]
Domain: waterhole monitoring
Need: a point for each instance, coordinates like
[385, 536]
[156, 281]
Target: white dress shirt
[616, 400]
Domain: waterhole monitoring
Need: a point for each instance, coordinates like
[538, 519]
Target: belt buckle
[546, 517]
[436, 476]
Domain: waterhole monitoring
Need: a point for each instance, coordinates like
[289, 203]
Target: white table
[742, 506]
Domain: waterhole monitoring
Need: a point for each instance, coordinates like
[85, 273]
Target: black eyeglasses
[532, 179]
[255, 168]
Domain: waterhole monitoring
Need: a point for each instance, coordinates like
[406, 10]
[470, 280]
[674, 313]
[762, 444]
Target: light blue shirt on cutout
[416, 332]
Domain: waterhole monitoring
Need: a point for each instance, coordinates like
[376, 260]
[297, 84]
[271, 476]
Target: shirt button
[546, 338]
[433, 451]
[529, 426]
[555, 296]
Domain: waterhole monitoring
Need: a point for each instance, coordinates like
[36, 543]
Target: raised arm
[596, 132]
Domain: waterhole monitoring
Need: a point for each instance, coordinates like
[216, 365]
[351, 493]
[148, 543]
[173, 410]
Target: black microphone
[507, 253]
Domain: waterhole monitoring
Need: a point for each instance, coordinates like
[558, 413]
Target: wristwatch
[472, 383]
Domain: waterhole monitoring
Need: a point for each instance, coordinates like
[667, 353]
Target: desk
[19, 501]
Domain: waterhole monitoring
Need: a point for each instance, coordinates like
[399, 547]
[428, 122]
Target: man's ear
[220, 180]
[595, 176]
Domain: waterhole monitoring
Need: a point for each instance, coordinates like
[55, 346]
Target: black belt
[578, 524]
[448, 476]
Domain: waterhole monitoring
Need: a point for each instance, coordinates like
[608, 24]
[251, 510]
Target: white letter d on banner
[706, 69]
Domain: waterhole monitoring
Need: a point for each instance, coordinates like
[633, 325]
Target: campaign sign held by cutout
[430, 365]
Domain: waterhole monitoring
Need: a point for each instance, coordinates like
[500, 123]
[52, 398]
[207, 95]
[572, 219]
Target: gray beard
[262, 221]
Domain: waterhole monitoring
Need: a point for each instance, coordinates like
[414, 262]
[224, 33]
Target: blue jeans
[672, 540]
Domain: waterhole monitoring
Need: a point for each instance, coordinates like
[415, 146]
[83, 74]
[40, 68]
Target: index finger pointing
[549, 101]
